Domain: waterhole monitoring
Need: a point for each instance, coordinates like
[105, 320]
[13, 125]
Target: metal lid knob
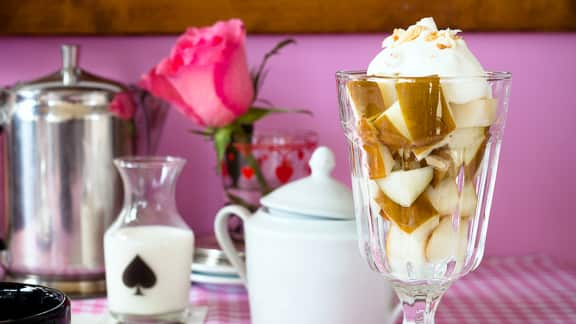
[70, 58]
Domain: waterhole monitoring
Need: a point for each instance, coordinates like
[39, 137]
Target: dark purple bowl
[23, 303]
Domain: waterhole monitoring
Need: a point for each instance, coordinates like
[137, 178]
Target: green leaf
[205, 132]
[285, 110]
[222, 137]
[252, 115]
[256, 113]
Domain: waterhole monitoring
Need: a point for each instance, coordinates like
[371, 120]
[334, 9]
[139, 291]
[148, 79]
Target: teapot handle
[224, 240]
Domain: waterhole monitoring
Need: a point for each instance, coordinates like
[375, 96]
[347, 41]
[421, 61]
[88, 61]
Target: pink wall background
[534, 209]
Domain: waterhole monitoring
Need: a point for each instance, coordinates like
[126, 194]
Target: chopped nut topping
[443, 45]
[444, 38]
[398, 32]
[431, 36]
[411, 34]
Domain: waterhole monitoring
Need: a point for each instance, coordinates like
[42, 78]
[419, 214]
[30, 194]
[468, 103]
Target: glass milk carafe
[148, 250]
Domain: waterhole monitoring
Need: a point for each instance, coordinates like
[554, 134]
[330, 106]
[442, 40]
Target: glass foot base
[171, 317]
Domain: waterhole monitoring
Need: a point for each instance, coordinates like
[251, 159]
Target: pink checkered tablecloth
[534, 289]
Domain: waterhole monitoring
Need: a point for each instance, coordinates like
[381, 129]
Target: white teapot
[302, 259]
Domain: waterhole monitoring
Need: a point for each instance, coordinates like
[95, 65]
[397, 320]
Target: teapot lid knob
[322, 162]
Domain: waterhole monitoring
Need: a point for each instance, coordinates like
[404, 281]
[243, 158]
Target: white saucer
[217, 279]
[197, 316]
[215, 269]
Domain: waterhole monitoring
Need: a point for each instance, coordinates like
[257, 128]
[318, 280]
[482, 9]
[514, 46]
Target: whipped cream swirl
[423, 50]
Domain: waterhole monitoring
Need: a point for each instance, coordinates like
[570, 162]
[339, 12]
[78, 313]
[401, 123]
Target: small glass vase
[149, 248]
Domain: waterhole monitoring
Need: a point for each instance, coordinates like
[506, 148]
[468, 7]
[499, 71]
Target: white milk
[168, 253]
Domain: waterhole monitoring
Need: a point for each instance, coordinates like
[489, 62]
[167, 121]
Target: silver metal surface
[212, 257]
[208, 253]
[62, 190]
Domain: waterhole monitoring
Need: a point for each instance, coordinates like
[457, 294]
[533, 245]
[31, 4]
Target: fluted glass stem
[419, 303]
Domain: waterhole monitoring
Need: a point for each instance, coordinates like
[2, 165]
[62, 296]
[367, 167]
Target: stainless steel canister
[61, 189]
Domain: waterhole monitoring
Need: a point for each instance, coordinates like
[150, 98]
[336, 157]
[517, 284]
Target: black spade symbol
[138, 275]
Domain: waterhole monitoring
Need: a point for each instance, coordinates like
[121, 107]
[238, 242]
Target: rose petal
[122, 106]
[233, 83]
[196, 86]
[206, 75]
[161, 87]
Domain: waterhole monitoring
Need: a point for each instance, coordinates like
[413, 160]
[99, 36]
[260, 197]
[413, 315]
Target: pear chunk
[366, 98]
[425, 113]
[465, 137]
[406, 218]
[445, 127]
[403, 248]
[467, 147]
[444, 197]
[406, 160]
[467, 144]
[388, 91]
[374, 192]
[473, 163]
[443, 164]
[403, 187]
[477, 113]
[446, 243]
[392, 128]
[421, 152]
[379, 160]
[367, 132]
[462, 91]
[468, 200]
[421, 116]
[474, 151]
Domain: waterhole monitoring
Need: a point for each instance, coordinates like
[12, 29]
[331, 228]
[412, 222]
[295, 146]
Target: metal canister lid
[70, 84]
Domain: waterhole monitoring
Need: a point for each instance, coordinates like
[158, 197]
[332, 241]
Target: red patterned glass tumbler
[271, 159]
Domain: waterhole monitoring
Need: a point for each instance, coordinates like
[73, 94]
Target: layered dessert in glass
[424, 124]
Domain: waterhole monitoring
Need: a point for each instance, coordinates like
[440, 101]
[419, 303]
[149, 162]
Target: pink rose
[122, 106]
[206, 75]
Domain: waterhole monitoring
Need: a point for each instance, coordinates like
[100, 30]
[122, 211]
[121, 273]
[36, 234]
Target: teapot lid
[318, 195]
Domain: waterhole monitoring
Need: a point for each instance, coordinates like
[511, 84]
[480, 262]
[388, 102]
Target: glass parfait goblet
[423, 154]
